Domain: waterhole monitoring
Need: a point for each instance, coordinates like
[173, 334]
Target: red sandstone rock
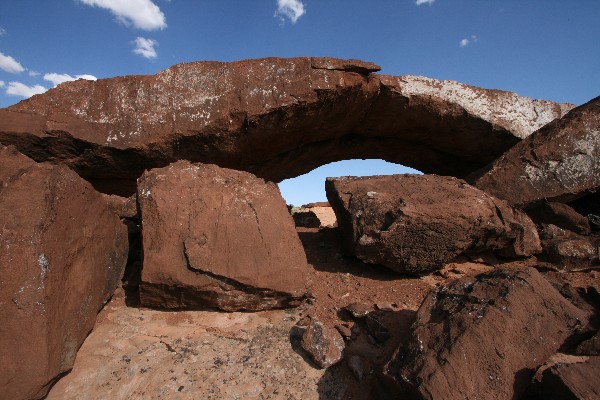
[325, 345]
[277, 118]
[560, 162]
[216, 237]
[417, 223]
[570, 378]
[561, 215]
[573, 252]
[63, 253]
[482, 337]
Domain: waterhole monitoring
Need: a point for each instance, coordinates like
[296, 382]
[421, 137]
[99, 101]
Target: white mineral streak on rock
[521, 115]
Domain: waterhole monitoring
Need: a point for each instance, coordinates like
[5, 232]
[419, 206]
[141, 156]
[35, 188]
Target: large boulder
[215, 237]
[278, 118]
[417, 223]
[559, 162]
[63, 253]
[483, 337]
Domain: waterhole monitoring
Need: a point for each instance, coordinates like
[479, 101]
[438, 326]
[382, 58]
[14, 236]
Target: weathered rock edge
[559, 162]
[277, 118]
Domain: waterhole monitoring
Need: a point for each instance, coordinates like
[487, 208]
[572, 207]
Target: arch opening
[310, 187]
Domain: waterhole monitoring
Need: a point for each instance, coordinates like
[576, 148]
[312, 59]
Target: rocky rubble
[187, 159]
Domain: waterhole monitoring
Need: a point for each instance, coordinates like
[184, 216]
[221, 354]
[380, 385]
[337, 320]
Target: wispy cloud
[22, 90]
[2, 31]
[141, 14]
[419, 2]
[467, 41]
[145, 47]
[33, 74]
[291, 9]
[9, 64]
[2, 84]
[57, 79]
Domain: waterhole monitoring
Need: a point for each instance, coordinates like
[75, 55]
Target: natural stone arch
[278, 118]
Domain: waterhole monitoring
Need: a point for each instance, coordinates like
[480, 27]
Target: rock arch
[278, 118]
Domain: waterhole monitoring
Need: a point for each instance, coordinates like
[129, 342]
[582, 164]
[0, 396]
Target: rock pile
[190, 218]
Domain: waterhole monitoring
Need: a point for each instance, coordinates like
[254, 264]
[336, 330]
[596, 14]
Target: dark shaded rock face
[63, 253]
[214, 237]
[573, 252]
[561, 215]
[575, 378]
[484, 337]
[561, 161]
[277, 118]
[417, 223]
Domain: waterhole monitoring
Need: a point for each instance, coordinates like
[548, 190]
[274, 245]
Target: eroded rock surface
[63, 253]
[560, 162]
[278, 118]
[484, 337]
[216, 237]
[417, 223]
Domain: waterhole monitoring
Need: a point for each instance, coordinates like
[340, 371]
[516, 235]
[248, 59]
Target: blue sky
[546, 49]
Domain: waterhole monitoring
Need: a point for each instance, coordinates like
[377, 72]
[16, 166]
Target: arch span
[278, 118]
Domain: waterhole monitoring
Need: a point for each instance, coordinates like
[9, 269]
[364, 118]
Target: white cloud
[33, 73]
[57, 79]
[9, 64]
[419, 2]
[19, 89]
[142, 14]
[467, 41]
[1, 84]
[292, 9]
[145, 47]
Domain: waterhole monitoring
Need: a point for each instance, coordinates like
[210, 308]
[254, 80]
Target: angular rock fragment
[325, 345]
[215, 237]
[484, 336]
[559, 162]
[417, 223]
[63, 254]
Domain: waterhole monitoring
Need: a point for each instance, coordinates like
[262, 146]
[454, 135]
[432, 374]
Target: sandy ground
[136, 353]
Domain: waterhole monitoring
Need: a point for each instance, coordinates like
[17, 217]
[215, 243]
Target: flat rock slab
[215, 237]
[146, 354]
[417, 223]
[484, 337]
[63, 253]
[560, 161]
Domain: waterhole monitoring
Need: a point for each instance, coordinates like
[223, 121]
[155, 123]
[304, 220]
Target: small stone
[344, 330]
[325, 345]
[358, 310]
